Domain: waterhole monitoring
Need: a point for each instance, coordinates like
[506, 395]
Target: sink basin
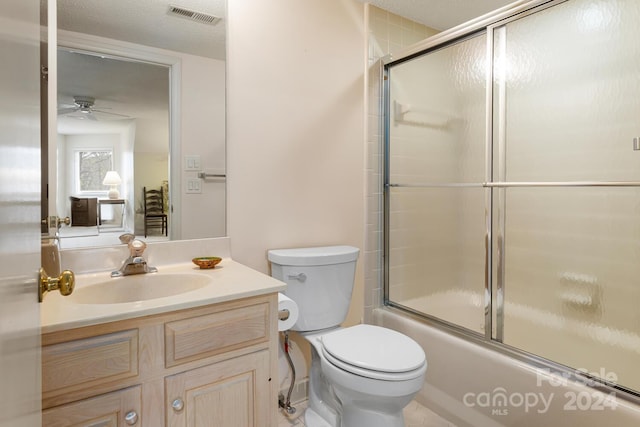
[139, 287]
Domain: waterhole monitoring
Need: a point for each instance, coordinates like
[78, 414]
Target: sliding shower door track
[516, 184]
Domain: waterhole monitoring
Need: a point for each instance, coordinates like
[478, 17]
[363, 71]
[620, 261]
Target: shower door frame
[495, 189]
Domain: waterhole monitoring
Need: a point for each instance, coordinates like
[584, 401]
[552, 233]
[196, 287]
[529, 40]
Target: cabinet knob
[177, 405]
[131, 418]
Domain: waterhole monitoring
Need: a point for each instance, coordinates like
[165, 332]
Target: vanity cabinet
[120, 408]
[203, 366]
[224, 394]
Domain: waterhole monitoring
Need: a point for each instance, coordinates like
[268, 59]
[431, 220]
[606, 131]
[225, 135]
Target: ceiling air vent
[205, 18]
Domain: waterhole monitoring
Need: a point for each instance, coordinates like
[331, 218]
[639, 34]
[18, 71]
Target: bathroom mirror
[141, 84]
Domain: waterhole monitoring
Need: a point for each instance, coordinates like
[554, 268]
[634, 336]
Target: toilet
[363, 375]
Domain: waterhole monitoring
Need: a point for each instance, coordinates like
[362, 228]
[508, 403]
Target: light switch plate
[192, 163]
[194, 186]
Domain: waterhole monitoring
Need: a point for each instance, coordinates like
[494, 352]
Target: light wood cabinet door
[118, 409]
[82, 368]
[232, 393]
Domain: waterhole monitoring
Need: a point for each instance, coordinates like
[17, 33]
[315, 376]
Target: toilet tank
[319, 280]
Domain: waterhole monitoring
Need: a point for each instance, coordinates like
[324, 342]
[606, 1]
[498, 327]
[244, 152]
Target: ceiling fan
[83, 108]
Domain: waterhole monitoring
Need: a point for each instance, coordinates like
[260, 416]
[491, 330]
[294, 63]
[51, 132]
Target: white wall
[296, 128]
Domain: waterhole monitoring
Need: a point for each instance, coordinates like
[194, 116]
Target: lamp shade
[112, 179]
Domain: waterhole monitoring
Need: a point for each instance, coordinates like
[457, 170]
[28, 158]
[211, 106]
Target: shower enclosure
[512, 183]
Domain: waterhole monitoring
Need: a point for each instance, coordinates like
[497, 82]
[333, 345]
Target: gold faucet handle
[64, 283]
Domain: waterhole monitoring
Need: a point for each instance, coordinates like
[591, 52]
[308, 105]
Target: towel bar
[203, 175]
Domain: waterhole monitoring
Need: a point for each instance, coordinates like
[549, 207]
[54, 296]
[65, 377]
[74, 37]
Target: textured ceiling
[146, 22]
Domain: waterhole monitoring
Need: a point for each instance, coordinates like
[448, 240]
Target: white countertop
[229, 281]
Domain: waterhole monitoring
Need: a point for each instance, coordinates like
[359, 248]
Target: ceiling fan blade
[91, 117]
[108, 112]
[67, 110]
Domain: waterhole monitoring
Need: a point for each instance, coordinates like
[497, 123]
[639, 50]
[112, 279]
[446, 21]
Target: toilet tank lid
[323, 255]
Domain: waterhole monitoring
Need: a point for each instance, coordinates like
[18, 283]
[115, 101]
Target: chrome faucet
[135, 263]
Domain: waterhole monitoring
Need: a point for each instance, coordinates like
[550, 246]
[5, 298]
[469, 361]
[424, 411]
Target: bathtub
[474, 384]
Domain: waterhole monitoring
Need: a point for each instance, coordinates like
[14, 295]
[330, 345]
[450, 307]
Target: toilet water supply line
[286, 404]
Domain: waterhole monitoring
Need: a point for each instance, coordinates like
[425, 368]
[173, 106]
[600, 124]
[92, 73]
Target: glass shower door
[436, 204]
[567, 97]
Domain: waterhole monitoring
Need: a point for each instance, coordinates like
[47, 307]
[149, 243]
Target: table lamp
[112, 179]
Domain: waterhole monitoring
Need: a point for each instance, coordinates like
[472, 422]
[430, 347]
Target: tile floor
[415, 415]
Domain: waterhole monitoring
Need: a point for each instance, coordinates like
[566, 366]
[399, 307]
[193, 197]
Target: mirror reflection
[141, 107]
[113, 142]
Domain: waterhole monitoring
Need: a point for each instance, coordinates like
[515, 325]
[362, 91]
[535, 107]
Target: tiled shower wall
[387, 34]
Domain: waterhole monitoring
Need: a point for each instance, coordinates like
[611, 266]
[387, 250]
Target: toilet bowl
[374, 373]
[362, 375]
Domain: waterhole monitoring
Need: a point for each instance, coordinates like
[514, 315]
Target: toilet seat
[374, 352]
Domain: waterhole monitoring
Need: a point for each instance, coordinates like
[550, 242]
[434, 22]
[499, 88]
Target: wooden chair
[154, 215]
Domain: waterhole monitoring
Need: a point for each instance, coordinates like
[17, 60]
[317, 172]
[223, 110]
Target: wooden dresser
[84, 211]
